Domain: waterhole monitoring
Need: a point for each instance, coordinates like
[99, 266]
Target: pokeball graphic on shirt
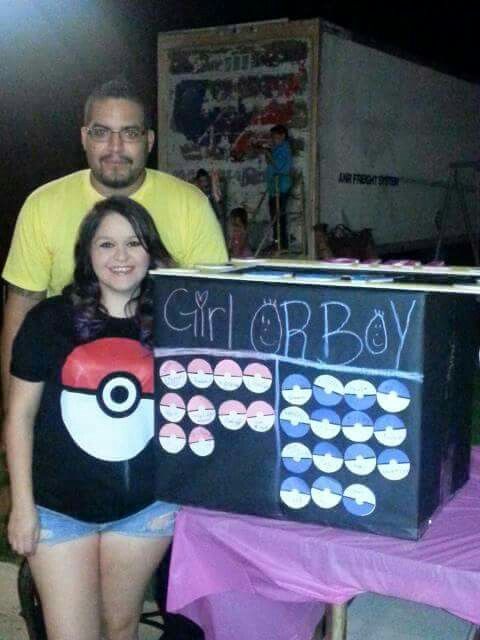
[107, 401]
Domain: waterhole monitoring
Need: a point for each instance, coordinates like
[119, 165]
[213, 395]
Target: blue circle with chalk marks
[296, 457]
[393, 396]
[295, 493]
[327, 457]
[294, 422]
[359, 500]
[360, 394]
[296, 389]
[326, 492]
[360, 459]
[325, 423]
[394, 464]
[390, 430]
[357, 426]
[327, 390]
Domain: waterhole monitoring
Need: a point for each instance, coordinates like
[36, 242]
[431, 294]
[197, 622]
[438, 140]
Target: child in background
[238, 246]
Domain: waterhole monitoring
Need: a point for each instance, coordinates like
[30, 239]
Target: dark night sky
[53, 52]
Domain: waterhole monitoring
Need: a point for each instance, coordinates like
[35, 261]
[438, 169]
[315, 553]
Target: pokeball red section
[88, 364]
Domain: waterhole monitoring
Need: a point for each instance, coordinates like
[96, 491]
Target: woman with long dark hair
[79, 433]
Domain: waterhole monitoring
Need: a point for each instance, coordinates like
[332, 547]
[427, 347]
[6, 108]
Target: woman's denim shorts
[155, 521]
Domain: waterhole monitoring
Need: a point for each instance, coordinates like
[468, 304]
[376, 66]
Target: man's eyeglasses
[128, 134]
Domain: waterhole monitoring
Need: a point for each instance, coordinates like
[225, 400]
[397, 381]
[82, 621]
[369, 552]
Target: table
[247, 577]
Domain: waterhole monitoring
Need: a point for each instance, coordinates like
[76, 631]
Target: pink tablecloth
[246, 577]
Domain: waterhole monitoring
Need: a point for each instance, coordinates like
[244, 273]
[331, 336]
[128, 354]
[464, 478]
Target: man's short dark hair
[280, 130]
[120, 89]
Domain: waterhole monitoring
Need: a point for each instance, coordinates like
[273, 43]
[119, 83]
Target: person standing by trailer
[279, 182]
[80, 433]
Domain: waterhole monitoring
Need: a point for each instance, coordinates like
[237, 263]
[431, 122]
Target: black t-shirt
[93, 453]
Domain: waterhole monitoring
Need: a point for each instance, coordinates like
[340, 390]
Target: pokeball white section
[172, 438]
[201, 442]
[104, 437]
[173, 374]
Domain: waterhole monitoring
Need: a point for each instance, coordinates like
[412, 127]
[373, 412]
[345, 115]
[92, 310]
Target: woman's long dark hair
[84, 292]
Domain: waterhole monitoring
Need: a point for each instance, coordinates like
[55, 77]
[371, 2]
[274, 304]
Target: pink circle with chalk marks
[201, 442]
[172, 407]
[200, 373]
[173, 374]
[260, 416]
[200, 410]
[228, 375]
[172, 438]
[232, 414]
[257, 377]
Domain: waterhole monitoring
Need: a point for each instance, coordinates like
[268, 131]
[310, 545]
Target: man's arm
[18, 304]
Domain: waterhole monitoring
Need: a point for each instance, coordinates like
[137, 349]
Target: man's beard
[117, 181]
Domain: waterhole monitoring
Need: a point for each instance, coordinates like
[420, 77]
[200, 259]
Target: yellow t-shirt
[41, 254]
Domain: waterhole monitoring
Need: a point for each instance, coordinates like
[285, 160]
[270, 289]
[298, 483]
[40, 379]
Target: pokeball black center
[119, 394]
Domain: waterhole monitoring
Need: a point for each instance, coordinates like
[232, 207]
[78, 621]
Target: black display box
[333, 396]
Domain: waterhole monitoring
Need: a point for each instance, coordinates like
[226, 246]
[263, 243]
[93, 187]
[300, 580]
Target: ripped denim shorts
[155, 521]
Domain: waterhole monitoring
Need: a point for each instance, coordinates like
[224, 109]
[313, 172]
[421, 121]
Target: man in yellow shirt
[117, 139]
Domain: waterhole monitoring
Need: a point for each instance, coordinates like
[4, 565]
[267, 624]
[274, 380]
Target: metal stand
[456, 187]
[336, 621]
